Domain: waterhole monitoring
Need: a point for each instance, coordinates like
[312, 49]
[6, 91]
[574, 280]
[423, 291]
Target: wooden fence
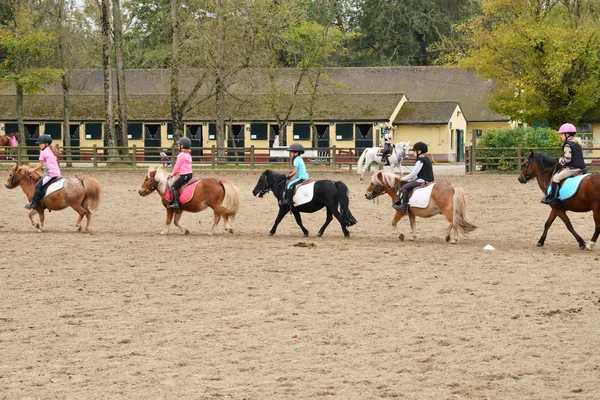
[95, 156]
[511, 158]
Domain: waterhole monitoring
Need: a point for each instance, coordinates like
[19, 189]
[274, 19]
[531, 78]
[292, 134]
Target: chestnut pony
[83, 195]
[219, 194]
[587, 198]
[445, 199]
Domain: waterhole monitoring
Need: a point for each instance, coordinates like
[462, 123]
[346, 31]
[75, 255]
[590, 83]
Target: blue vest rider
[572, 161]
[298, 173]
[422, 173]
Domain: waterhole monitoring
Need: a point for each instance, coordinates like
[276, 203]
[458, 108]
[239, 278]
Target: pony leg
[563, 215]
[216, 219]
[33, 223]
[337, 216]
[326, 224]
[547, 226]
[81, 211]
[177, 215]
[413, 226]
[452, 231]
[42, 218]
[299, 222]
[170, 213]
[282, 212]
[592, 242]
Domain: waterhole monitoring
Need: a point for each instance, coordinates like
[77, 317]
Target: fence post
[333, 158]
[212, 156]
[95, 156]
[468, 165]
[19, 156]
[519, 156]
[134, 156]
[252, 156]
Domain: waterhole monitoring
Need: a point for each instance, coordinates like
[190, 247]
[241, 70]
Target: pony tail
[460, 219]
[231, 198]
[93, 192]
[344, 201]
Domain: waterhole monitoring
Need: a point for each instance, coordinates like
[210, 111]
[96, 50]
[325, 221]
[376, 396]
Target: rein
[266, 189]
[150, 187]
[529, 177]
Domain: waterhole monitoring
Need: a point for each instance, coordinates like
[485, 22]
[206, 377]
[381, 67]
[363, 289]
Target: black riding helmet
[297, 147]
[185, 142]
[420, 146]
[44, 139]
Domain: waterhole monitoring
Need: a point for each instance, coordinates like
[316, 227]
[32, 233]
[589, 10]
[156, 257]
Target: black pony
[326, 194]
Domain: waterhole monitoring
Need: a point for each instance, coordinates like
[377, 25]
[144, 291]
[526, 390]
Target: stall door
[152, 142]
[274, 131]
[32, 134]
[234, 140]
[363, 136]
[460, 145]
[194, 133]
[74, 140]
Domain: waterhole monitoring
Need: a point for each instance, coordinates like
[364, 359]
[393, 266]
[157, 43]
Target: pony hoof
[37, 226]
[186, 232]
[540, 244]
[163, 232]
[271, 233]
[412, 238]
[453, 241]
[306, 235]
[321, 234]
[79, 229]
[230, 230]
[401, 237]
[447, 238]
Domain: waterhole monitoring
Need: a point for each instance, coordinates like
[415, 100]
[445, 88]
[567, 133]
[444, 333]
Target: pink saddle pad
[186, 195]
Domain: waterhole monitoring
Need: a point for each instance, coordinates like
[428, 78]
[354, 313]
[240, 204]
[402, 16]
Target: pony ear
[531, 155]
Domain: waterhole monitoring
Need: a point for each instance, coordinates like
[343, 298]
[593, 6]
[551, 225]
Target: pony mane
[160, 172]
[384, 178]
[544, 160]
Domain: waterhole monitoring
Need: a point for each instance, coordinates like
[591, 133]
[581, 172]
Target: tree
[26, 50]
[109, 118]
[544, 55]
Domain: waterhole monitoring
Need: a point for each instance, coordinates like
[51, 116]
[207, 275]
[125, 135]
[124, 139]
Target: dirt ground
[126, 313]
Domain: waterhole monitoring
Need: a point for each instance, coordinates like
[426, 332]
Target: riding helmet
[568, 129]
[297, 147]
[420, 146]
[44, 139]
[185, 142]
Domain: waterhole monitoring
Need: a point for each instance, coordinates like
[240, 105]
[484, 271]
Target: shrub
[515, 137]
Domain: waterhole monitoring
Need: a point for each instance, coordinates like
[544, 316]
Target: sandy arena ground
[125, 313]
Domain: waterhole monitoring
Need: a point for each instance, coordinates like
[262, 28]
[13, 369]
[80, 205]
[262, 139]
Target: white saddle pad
[55, 186]
[304, 194]
[420, 197]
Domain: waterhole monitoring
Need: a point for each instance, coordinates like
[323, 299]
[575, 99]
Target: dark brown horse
[219, 194]
[587, 197]
[445, 199]
[83, 195]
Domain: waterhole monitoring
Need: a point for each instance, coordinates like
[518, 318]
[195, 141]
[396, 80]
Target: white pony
[400, 151]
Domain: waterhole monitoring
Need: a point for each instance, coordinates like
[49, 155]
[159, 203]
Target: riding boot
[402, 204]
[37, 195]
[175, 202]
[552, 197]
[384, 159]
[287, 198]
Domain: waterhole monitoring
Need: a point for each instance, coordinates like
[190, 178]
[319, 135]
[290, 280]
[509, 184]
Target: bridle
[151, 188]
[266, 188]
[531, 176]
[14, 183]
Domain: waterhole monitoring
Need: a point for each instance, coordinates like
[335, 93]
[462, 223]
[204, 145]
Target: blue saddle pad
[569, 187]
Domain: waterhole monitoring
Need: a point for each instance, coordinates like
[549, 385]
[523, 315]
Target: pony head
[17, 173]
[155, 178]
[381, 182]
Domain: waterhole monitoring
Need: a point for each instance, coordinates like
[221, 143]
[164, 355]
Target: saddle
[389, 152]
[306, 182]
[186, 191]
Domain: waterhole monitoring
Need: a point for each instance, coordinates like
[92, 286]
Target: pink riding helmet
[568, 128]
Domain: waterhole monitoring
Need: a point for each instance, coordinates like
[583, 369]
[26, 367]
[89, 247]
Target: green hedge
[515, 137]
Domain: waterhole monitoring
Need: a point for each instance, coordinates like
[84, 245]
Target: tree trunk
[109, 118]
[220, 85]
[20, 123]
[122, 139]
[176, 111]
[65, 85]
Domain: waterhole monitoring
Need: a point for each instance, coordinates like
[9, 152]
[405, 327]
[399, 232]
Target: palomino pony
[445, 199]
[399, 152]
[587, 197]
[81, 194]
[219, 194]
[328, 194]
